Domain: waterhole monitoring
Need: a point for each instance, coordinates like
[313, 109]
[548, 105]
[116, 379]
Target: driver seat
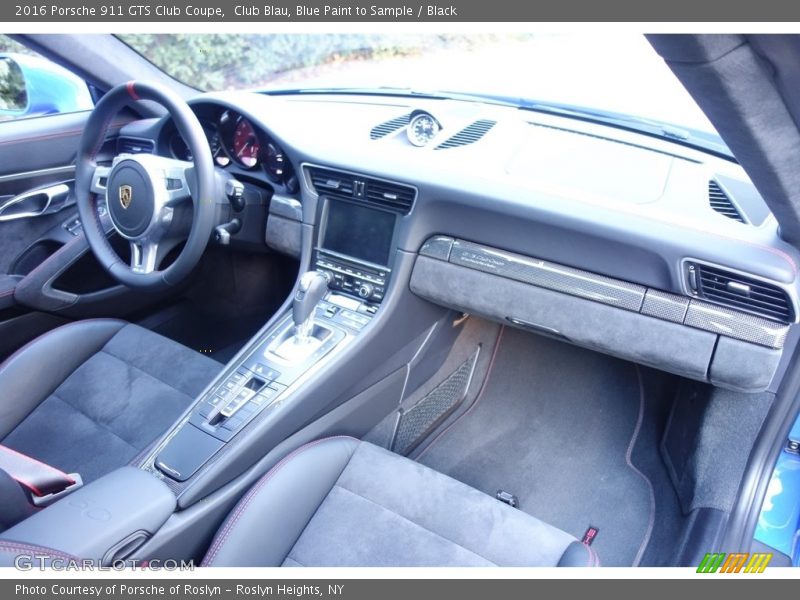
[94, 395]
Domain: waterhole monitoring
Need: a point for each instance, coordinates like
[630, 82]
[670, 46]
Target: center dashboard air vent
[127, 145]
[377, 192]
[740, 292]
[469, 135]
[721, 202]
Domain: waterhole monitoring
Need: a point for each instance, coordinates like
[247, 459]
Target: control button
[365, 290]
[215, 400]
[234, 405]
[259, 399]
[264, 371]
[233, 423]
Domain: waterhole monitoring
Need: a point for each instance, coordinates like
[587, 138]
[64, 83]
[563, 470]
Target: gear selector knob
[312, 288]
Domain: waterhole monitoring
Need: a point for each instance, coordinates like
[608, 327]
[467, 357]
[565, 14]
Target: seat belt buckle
[48, 499]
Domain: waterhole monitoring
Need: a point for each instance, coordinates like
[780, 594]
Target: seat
[93, 395]
[343, 502]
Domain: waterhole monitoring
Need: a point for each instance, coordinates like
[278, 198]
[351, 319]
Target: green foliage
[9, 45]
[13, 95]
[218, 62]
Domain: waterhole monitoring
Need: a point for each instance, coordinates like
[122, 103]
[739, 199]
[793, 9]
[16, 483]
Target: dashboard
[671, 248]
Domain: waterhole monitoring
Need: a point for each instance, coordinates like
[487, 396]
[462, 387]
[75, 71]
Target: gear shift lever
[312, 288]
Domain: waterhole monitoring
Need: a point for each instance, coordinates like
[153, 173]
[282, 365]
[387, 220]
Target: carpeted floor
[555, 425]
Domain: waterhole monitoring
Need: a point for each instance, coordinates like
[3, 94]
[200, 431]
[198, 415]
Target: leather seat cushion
[342, 502]
[89, 397]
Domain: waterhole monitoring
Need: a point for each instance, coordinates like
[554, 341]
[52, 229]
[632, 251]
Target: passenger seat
[342, 502]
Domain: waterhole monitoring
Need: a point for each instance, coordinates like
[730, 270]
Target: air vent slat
[134, 146]
[469, 135]
[389, 126]
[720, 202]
[755, 292]
[384, 194]
[743, 293]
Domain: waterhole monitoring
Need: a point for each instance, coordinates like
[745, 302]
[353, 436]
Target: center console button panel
[258, 385]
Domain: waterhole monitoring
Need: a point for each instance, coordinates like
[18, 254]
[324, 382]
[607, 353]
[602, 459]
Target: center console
[332, 304]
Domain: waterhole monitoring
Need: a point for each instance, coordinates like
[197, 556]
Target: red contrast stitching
[225, 532]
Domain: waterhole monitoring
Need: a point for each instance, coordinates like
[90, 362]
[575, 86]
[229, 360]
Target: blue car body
[779, 523]
[50, 88]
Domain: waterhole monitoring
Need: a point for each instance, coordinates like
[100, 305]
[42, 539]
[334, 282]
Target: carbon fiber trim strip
[730, 323]
[548, 275]
[662, 305]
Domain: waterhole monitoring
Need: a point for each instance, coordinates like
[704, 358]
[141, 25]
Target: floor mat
[554, 426]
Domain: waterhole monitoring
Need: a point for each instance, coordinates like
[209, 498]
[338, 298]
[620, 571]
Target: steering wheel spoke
[144, 256]
[99, 183]
[177, 187]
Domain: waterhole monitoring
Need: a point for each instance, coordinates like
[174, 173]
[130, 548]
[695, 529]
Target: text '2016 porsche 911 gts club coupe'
[399, 300]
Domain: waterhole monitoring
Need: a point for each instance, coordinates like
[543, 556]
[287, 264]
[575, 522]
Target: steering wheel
[151, 201]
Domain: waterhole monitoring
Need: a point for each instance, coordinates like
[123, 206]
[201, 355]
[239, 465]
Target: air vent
[388, 127]
[721, 202]
[332, 181]
[740, 292]
[392, 196]
[135, 146]
[469, 135]
[399, 198]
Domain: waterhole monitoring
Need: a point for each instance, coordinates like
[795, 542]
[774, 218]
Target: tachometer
[245, 146]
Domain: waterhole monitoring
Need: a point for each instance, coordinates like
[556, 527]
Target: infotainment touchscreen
[357, 231]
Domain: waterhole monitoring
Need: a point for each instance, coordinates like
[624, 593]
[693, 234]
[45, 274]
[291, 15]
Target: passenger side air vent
[469, 135]
[385, 194]
[721, 202]
[740, 292]
[388, 127]
[134, 146]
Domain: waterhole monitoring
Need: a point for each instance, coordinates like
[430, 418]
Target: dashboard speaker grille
[469, 135]
[740, 292]
[721, 202]
[389, 126]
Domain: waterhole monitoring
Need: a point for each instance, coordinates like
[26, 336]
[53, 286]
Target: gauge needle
[244, 147]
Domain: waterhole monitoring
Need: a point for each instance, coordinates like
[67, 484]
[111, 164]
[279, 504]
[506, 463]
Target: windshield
[620, 73]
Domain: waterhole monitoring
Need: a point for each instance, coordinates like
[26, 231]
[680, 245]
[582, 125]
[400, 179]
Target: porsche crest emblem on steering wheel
[125, 195]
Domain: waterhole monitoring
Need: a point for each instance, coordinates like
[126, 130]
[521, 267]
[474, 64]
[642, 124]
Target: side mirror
[13, 91]
[32, 86]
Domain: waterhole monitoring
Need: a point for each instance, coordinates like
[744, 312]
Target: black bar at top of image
[112, 11]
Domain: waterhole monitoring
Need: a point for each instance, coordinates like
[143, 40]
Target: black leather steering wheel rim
[201, 182]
